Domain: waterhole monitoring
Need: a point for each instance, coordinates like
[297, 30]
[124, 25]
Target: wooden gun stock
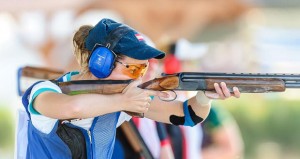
[136, 141]
[29, 75]
[93, 86]
[40, 73]
[249, 85]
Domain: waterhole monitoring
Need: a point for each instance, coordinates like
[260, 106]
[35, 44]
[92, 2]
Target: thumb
[133, 84]
[136, 82]
[212, 95]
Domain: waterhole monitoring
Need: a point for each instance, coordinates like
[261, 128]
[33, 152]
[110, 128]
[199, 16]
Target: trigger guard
[169, 100]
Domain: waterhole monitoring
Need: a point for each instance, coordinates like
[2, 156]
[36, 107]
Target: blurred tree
[6, 128]
[267, 120]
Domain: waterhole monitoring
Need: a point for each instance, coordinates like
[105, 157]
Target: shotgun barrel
[246, 82]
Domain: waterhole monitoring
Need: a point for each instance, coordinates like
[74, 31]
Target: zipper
[90, 136]
[91, 143]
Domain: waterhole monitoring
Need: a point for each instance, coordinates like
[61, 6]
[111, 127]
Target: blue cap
[131, 43]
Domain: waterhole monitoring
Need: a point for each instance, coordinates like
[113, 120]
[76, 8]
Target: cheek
[117, 74]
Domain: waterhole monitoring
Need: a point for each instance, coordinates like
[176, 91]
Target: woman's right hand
[138, 100]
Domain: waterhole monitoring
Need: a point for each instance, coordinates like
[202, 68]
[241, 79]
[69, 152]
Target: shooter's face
[129, 68]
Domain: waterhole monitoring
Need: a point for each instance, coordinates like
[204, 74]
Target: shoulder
[46, 85]
[43, 87]
[40, 122]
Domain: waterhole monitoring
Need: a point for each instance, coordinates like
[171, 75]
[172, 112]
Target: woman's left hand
[222, 92]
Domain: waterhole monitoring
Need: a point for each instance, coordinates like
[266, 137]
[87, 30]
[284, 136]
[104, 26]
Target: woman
[83, 126]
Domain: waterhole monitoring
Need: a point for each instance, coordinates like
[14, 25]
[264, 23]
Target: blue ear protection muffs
[101, 62]
[102, 58]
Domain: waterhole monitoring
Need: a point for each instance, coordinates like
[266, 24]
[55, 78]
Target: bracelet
[202, 99]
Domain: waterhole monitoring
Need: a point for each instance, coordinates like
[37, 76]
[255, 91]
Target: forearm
[161, 111]
[200, 104]
[92, 105]
[215, 152]
[226, 142]
[166, 152]
[61, 106]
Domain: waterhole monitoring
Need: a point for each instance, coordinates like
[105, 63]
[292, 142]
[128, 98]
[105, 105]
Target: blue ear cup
[101, 62]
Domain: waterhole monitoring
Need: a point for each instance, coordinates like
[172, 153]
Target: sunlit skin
[132, 99]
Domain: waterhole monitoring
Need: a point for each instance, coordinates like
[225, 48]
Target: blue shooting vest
[99, 140]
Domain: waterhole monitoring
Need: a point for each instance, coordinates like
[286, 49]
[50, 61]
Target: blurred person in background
[221, 136]
[218, 136]
[154, 134]
[185, 141]
[161, 147]
[63, 126]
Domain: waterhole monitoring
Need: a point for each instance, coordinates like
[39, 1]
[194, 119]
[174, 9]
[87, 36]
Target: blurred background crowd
[197, 35]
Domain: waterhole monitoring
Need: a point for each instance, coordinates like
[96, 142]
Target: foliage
[266, 118]
[6, 128]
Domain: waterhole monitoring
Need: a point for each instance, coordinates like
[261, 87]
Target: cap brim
[144, 52]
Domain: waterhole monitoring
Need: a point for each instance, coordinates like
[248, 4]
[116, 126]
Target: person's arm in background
[222, 137]
[166, 151]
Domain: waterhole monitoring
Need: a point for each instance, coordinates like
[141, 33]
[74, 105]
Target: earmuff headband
[102, 58]
[114, 36]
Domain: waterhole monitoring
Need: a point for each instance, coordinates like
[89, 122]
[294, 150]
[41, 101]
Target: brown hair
[81, 52]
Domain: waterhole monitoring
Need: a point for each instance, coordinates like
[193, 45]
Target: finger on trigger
[132, 84]
[163, 94]
[137, 82]
[155, 93]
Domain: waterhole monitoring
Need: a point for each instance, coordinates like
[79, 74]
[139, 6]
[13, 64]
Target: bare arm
[227, 142]
[166, 152]
[62, 106]
[161, 110]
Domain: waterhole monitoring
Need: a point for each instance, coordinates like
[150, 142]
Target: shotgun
[246, 82]
[183, 81]
[135, 140]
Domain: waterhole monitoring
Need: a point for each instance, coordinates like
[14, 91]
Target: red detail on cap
[139, 37]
